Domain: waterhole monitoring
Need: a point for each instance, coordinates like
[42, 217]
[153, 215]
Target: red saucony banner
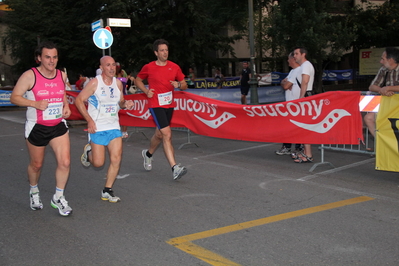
[327, 118]
[387, 134]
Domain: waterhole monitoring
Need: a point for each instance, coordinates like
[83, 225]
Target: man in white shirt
[292, 92]
[305, 79]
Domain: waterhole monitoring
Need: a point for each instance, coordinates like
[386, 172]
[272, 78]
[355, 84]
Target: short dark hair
[159, 42]
[393, 53]
[302, 50]
[47, 45]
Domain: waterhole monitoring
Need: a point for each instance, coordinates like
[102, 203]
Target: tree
[309, 24]
[262, 22]
[375, 26]
[64, 22]
[192, 28]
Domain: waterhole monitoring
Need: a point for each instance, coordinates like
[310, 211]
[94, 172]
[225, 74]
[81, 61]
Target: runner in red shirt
[163, 77]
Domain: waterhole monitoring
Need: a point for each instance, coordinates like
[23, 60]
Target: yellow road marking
[185, 244]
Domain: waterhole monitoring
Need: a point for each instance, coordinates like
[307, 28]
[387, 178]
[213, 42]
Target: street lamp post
[253, 83]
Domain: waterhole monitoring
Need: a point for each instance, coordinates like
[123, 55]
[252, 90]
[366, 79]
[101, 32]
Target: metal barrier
[136, 130]
[183, 129]
[366, 147]
[188, 137]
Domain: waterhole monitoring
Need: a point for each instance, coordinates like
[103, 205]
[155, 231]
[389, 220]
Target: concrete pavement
[239, 204]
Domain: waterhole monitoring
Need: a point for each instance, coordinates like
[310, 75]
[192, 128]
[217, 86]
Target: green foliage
[308, 23]
[192, 27]
[62, 21]
[375, 26]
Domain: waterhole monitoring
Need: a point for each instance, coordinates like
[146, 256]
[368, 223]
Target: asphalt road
[239, 204]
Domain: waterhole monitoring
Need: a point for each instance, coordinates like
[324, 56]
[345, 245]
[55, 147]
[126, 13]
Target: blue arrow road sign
[103, 38]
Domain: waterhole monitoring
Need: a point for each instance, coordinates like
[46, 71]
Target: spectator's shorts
[244, 90]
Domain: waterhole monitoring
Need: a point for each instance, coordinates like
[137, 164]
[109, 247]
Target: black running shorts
[42, 135]
[162, 116]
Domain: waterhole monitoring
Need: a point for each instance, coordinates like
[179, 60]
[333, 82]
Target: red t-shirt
[79, 84]
[159, 78]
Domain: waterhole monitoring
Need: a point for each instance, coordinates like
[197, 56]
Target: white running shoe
[35, 202]
[109, 196]
[125, 135]
[147, 161]
[62, 205]
[84, 159]
[179, 171]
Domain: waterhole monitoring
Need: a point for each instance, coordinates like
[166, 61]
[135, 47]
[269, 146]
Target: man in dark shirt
[244, 78]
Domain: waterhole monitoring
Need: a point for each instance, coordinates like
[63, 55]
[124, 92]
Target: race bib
[108, 110]
[165, 98]
[53, 111]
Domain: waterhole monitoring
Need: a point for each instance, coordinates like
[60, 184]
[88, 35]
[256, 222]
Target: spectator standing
[81, 82]
[47, 108]
[244, 79]
[163, 77]
[68, 86]
[191, 78]
[292, 92]
[123, 77]
[305, 79]
[104, 97]
[219, 78]
[120, 72]
[98, 71]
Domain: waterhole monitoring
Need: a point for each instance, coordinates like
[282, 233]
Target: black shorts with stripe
[41, 135]
[162, 116]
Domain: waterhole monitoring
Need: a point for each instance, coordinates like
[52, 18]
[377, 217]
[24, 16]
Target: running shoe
[35, 202]
[84, 159]
[125, 135]
[147, 161]
[62, 205]
[109, 196]
[179, 171]
[283, 151]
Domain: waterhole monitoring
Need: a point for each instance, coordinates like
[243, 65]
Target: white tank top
[103, 105]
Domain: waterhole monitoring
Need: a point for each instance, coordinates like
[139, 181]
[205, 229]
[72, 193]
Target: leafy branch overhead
[193, 28]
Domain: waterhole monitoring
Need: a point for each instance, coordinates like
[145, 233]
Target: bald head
[108, 66]
[106, 58]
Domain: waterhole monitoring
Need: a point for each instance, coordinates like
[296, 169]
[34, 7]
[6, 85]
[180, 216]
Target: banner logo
[145, 116]
[216, 122]
[328, 122]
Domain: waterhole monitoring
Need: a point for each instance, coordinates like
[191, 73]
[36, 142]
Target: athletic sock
[34, 189]
[107, 189]
[58, 193]
[149, 155]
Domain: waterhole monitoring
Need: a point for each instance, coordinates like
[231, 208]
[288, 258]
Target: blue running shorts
[105, 137]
